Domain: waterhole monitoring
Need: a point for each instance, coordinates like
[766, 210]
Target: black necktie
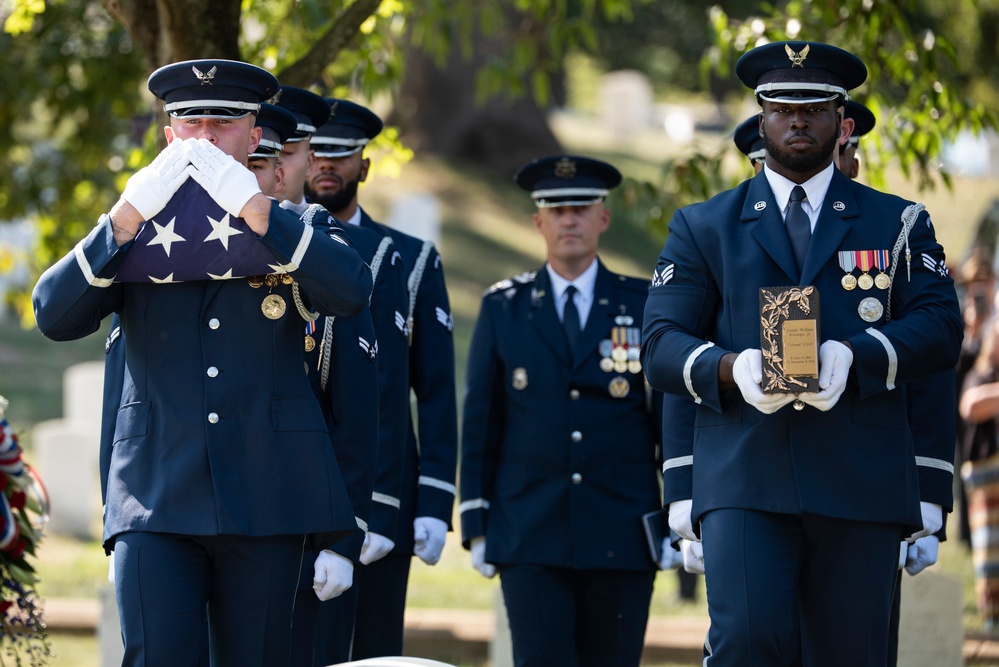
[799, 227]
[570, 318]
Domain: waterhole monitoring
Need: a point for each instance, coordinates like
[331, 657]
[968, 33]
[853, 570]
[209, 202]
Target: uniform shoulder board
[525, 278]
[634, 284]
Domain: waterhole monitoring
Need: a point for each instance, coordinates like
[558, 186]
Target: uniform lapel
[832, 226]
[762, 213]
[544, 318]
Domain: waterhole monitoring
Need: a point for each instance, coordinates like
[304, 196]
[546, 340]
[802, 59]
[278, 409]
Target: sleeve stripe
[939, 464]
[361, 523]
[438, 484]
[468, 505]
[88, 272]
[386, 499]
[688, 366]
[303, 245]
[678, 462]
[892, 356]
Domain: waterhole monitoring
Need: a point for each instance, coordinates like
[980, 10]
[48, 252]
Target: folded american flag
[193, 238]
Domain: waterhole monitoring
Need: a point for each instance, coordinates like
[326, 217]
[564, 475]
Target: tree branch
[324, 51]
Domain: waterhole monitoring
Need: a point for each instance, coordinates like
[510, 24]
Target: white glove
[228, 182]
[487, 570]
[429, 535]
[747, 371]
[111, 567]
[375, 547]
[693, 556]
[932, 521]
[903, 554]
[679, 519]
[333, 575]
[835, 360]
[671, 558]
[922, 554]
[152, 187]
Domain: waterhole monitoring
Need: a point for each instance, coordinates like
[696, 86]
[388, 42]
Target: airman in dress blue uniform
[928, 399]
[560, 437]
[799, 510]
[221, 467]
[367, 412]
[414, 486]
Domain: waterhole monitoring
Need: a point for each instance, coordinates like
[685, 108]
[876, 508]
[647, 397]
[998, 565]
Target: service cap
[205, 88]
[349, 129]
[567, 180]
[310, 110]
[278, 125]
[800, 72]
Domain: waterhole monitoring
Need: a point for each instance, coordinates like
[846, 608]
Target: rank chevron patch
[662, 276]
[936, 266]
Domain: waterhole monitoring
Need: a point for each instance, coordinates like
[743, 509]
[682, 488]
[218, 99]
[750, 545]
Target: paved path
[456, 634]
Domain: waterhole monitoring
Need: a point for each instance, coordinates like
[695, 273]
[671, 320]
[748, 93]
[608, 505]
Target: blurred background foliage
[463, 81]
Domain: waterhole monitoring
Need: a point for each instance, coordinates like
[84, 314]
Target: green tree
[76, 120]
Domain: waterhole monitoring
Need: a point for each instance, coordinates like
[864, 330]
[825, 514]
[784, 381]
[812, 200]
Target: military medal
[870, 309]
[271, 280]
[255, 281]
[619, 387]
[634, 350]
[273, 307]
[847, 262]
[310, 342]
[865, 281]
[620, 351]
[882, 281]
[519, 379]
[606, 347]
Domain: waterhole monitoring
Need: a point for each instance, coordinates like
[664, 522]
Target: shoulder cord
[909, 216]
[306, 217]
[327, 344]
[413, 284]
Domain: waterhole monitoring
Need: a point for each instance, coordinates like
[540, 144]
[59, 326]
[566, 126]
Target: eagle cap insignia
[205, 77]
[797, 59]
[565, 168]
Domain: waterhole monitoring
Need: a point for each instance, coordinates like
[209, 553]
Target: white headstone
[626, 102]
[65, 453]
[417, 214]
[83, 394]
[110, 648]
[930, 632]
[501, 647]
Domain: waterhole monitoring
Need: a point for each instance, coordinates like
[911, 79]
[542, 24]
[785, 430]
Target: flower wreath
[24, 510]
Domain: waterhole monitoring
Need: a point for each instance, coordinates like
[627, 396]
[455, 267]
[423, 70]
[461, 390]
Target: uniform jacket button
[576, 436]
[214, 323]
[576, 478]
[213, 417]
[213, 372]
[574, 394]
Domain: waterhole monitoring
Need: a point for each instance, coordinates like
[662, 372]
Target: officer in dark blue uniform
[310, 111]
[928, 400]
[749, 142]
[862, 120]
[560, 437]
[221, 467]
[276, 125]
[799, 510]
[415, 517]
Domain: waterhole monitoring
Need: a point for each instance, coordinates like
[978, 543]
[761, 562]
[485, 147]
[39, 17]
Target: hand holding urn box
[789, 339]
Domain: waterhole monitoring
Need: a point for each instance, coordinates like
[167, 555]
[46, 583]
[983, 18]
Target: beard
[801, 163]
[334, 202]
